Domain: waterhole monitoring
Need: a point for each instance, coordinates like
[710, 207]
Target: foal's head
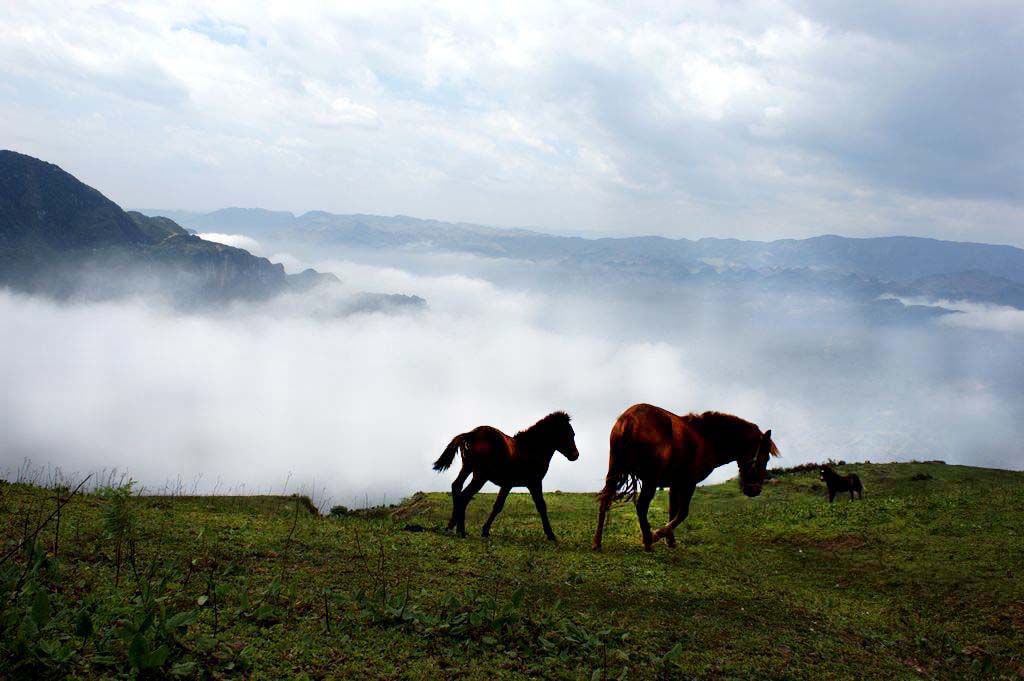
[557, 433]
[826, 473]
[752, 469]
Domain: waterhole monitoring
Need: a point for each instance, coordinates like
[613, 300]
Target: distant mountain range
[61, 237]
[906, 266]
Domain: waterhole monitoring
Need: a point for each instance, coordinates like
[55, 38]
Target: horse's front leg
[678, 508]
[643, 503]
[537, 492]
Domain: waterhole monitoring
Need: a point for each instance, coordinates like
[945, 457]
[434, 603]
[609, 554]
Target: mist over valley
[847, 349]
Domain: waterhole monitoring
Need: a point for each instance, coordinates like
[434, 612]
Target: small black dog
[841, 483]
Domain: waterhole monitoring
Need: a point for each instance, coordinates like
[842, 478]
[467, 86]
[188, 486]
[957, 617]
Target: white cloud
[236, 240]
[292, 264]
[760, 119]
[362, 404]
[991, 317]
[983, 316]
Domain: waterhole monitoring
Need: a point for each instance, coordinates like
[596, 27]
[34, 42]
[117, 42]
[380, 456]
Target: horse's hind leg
[456, 489]
[460, 480]
[499, 503]
[669, 532]
[462, 501]
[643, 503]
[604, 501]
[612, 482]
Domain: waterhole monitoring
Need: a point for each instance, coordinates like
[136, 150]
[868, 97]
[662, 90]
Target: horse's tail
[618, 486]
[620, 483]
[459, 442]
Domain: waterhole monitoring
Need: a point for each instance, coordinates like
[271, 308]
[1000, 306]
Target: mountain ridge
[61, 237]
[900, 259]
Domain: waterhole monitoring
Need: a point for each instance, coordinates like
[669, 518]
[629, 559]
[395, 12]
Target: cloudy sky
[749, 119]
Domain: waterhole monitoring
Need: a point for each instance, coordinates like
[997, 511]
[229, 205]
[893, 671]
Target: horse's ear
[768, 434]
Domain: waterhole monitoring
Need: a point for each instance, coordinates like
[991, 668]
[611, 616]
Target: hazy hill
[977, 285]
[883, 263]
[62, 237]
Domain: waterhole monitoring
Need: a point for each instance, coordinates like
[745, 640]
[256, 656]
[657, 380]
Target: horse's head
[561, 435]
[752, 470]
[824, 473]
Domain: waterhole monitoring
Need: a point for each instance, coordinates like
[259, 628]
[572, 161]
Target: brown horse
[652, 448]
[841, 483]
[520, 461]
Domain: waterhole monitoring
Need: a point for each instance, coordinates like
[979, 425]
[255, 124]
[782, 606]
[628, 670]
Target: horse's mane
[718, 421]
[544, 427]
[724, 427]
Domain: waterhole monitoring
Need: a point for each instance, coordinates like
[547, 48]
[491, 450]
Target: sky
[743, 119]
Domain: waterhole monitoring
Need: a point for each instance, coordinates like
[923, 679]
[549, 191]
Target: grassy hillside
[921, 579]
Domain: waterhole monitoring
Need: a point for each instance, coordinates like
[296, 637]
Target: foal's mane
[544, 427]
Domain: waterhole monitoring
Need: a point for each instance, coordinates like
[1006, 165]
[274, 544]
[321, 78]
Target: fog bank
[360, 405]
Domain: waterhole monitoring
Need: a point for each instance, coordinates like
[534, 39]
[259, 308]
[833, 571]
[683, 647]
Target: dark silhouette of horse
[652, 448]
[841, 483]
[520, 461]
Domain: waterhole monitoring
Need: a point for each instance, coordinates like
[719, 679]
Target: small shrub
[121, 523]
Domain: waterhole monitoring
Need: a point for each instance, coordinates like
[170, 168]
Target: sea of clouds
[278, 396]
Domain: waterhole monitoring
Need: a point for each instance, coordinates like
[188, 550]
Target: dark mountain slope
[157, 228]
[43, 207]
[62, 237]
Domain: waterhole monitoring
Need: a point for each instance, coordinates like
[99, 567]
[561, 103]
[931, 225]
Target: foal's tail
[459, 442]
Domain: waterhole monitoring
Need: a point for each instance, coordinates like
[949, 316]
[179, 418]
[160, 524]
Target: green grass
[921, 579]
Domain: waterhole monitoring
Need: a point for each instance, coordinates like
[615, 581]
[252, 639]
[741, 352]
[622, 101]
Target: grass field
[921, 579]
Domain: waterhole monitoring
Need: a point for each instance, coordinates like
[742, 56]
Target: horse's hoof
[648, 548]
[552, 537]
[595, 547]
